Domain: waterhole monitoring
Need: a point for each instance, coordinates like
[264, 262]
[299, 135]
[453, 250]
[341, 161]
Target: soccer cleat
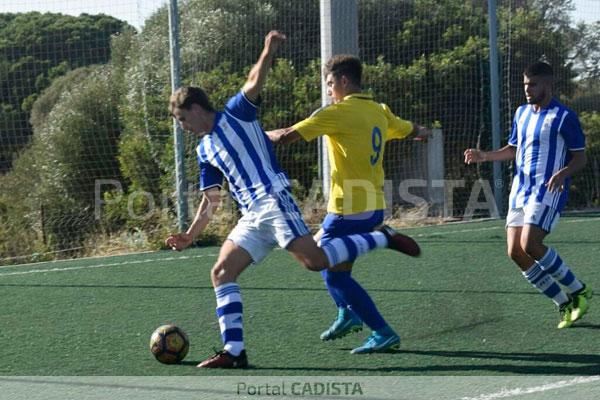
[346, 322]
[224, 359]
[378, 342]
[580, 302]
[566, 318]
[400, 242]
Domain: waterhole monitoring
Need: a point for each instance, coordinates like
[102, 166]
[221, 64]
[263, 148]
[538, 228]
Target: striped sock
[545, 284]
[554, 265]
[229, 312]
[348, 248]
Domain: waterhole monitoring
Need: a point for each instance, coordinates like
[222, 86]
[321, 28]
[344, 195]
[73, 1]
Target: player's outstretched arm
[476, 156]
[258, 73]
[284, 135]
[208, 205]
[420, 133]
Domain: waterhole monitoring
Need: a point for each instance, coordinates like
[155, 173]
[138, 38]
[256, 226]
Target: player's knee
[528, 247]
[218, 273]
[311, 260]
[515, 253]
[314, 264]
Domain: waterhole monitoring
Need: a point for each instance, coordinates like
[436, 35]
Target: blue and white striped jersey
[543, 140]
[238, 149]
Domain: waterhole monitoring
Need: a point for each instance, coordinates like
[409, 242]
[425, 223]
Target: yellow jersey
[357, 129]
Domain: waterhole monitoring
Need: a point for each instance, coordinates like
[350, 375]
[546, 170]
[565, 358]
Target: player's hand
[422, 134]
[179, 241]
[556, 183]
[273, 40]
[473, 156]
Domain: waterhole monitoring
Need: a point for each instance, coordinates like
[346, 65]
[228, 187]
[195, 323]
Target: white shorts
[537, 214]
[272, 220]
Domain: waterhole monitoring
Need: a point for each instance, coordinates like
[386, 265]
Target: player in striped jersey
[233, 146]
[357, 129]
[548, 147]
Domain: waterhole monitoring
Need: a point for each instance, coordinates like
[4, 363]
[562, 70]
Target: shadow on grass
[492, 363]
[584, 325]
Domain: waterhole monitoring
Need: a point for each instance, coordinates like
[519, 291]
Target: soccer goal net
[86, 143]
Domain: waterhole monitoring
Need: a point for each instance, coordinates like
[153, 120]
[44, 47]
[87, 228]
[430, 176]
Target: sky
[132, 11]
[136, 11]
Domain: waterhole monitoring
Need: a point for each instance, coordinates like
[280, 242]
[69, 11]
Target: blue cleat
[379, 341]
[346, 322]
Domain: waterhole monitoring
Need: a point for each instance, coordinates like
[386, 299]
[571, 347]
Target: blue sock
[554, 265]
[348, 248]
[357, 298]
[333, 292]
[229, 312]
[544, 282]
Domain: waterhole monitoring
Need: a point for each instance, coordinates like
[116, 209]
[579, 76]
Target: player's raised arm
[208, 205]
[258, 73]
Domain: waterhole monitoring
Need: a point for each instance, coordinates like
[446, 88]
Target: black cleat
[224, 359]
[399, 242]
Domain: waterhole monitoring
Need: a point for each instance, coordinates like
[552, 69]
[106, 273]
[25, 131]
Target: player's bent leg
[232, 261]
[550, 262]
[537, 277]
[230, 264]
[532, 238]
[346, 321]
[347, 248]
[305, 250]
[335, 294]
[515, 251]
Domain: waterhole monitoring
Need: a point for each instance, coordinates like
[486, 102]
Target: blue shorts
[336, 225]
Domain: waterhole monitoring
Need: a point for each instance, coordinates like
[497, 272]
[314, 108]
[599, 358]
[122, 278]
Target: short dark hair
[346, 65]
[540, 68]
[185, 96]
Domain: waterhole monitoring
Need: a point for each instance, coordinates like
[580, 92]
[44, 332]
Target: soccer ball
[169, 344]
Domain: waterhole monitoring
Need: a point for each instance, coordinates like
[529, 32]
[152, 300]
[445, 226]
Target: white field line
[117, 264]
[71, 259]
[459, 231]
[571, 221]
[34, 271]
[506, 393]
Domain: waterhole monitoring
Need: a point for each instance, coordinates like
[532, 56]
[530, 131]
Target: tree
[52, 186]
[34, 49]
